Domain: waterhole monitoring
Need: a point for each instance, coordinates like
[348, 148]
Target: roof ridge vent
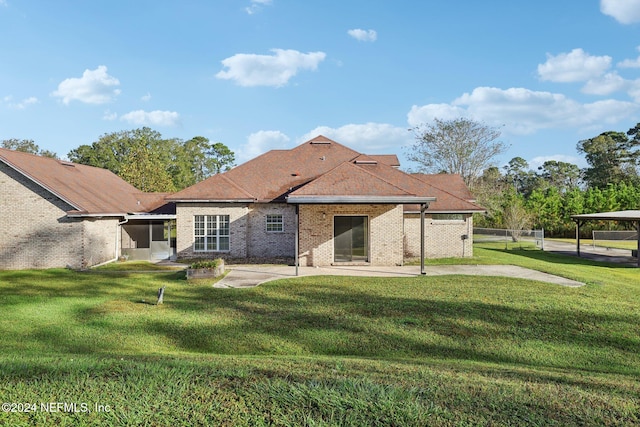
[67, 163]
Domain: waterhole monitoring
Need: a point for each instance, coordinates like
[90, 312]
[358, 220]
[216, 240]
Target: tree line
[145, 159]
[517, 197]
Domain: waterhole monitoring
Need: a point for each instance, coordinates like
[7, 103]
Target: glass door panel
[350, 238]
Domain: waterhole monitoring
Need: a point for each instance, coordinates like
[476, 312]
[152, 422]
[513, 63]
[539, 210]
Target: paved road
[244, 276]
[618, 256]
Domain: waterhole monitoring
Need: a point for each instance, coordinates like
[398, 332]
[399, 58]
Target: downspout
[118, 235]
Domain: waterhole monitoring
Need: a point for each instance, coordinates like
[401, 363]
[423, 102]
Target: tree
[141, 170]
[519, 175]
[609, 158]
[564, 176]
[185, 162]
[462, 146]
[27, 146]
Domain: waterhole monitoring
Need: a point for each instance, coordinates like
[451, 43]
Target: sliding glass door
[351, 238]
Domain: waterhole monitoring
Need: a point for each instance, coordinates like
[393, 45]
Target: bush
[208, 264]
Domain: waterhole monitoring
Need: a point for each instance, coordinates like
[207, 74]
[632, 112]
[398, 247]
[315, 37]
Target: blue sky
[264, 74]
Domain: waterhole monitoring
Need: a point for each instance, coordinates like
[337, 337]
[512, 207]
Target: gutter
[360, 199]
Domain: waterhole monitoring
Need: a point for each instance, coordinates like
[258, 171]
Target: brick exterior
[238, 218]
[443, 239]
[36, 233]
[263, 244]
[393, 236]
[385, 233]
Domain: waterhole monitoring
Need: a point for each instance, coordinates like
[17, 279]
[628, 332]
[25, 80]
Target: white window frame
[209, 234]
[272, 221]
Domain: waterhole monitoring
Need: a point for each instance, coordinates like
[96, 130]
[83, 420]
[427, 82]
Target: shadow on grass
[336, 320]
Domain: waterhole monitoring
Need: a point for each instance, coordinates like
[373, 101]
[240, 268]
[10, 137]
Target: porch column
[423, 207]
[297, 259]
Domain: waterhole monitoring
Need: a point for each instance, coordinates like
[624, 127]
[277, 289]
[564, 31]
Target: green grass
[451, 350]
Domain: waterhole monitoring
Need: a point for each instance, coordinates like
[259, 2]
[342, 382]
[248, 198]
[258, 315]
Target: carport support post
[638, 247]
[578, 237]
[423, 207]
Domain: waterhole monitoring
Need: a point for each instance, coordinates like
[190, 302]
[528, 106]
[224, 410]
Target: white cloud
[523, 111]
[153, 118]
[363, 35]
[94, 87]
[262, 141]
[605, 85]
[630, 63]
[20, 105]
[4, 3]
[574, 66]
[268, 70]
[257, 5]
[623, 11]
[110, 116]
[368, 138]
[146, 97]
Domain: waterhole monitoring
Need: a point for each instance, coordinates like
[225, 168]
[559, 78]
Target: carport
[620, 216]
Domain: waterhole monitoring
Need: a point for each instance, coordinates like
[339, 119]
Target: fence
[613, 238]
[504, 235]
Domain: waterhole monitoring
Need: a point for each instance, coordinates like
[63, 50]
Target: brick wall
[264, 244]
[385, 233]
[34, 229]
[443, 238]
[238, 218]
[99, 240]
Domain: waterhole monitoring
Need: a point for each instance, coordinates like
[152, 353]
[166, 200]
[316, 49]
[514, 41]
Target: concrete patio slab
[245, 276]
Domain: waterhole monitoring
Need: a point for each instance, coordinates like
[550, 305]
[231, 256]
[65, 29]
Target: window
[211, 233]
[275, 224]
[447, 217]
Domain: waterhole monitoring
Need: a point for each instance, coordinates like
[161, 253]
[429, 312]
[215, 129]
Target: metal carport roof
[625, 216]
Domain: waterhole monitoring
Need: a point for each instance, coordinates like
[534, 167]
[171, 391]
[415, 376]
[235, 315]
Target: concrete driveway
[246, 276]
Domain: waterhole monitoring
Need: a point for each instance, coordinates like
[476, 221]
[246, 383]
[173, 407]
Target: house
[55, 213]
[320, 203]
[323, 204]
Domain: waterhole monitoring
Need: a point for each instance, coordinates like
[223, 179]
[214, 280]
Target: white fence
[507, 236]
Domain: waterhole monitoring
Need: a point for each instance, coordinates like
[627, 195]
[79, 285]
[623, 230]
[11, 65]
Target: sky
[271, 74]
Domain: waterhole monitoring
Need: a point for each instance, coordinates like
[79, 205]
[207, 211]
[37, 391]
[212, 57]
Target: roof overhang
[211, 200]
[41, 184]
[150, 216]
[346, 200]
[449, 211]
[630, 215]
[76, 214]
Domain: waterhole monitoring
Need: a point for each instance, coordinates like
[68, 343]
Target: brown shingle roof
[325, 169]
[88, 189]
[452, 194]
[272, 175]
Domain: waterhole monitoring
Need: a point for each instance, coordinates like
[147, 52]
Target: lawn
[451, 350]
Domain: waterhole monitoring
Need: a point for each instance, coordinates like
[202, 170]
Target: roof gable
[349, 179]
[89, 190]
